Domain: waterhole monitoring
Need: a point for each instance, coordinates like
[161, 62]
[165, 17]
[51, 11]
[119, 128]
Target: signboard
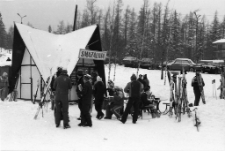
[89, 54]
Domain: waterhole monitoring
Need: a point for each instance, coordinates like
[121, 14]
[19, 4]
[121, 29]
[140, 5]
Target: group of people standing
[91, 88]
[87, 86]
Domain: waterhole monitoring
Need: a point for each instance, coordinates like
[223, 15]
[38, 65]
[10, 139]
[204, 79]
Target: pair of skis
[42, 102]
[35, 95]
[180, 99]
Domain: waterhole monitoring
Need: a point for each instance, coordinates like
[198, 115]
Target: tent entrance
[28, 78]
[26, 82]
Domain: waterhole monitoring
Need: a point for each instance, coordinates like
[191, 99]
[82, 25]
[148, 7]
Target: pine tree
[68, 28]
[3, 34]
[132, 32]
[117, 30]
[85, 19]
[175, 31]
[49, 29]
[10, 37]
[222, 29]
[215, 28]
[106, 32]
[92, 11]
[60, 28]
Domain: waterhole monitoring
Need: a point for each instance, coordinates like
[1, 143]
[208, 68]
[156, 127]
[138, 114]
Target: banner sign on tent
[96, 55]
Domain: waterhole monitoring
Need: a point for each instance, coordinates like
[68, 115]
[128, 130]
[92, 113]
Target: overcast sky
[42, 13]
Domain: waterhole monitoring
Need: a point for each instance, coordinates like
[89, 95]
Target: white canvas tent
[37, 52]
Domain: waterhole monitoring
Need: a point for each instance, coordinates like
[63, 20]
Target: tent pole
[31, 79]
[20, 82]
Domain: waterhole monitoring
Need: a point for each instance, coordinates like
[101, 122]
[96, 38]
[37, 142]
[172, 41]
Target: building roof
[50, 51]
[219, 41]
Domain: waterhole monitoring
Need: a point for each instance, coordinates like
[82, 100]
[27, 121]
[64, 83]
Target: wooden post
[75, 19]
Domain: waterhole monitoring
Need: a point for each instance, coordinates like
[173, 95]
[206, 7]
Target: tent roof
[50, 51]
[219, 41]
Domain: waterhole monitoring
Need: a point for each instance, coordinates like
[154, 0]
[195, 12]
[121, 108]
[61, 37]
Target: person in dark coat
[86, 93]
[80, 82]
[116, 104]
[59, 70]
[134, 88]
[99, 92]
[140, 79]
[146, 81]
[197, 87]
[4, 84]
[62, 85]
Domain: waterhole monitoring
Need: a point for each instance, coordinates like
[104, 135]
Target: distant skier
[62, 85]
[222, 86]
[198, 87]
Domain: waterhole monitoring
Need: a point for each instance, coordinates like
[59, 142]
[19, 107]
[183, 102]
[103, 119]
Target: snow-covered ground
[19, 130]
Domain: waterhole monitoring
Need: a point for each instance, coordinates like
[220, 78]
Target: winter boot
[170, 112]
[66, 126]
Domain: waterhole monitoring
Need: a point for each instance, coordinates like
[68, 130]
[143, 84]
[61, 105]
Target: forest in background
[155, 31]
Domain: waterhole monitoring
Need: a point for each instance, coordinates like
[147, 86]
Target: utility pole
[21, 17]
[75, 19]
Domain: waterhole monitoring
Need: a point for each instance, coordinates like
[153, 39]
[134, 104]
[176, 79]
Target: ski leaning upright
[172, 85]
[35, 96]
[43, 97]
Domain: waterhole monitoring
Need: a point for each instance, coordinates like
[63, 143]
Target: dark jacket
[87, 93]
[52, 83]
[144, 99]
[62, 85]
[196, 85]
[134, 88]
[99, 90]
[118, 99]
[79, 81]
[111, 91]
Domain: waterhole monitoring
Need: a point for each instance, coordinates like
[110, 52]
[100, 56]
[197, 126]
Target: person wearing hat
[145, 81]
[197, 86]
[99, 92]
[116, 104]
[134, 88]
[80, 83]
[62, 85]
[110, 88]
[140, 79]
[86, 92]
[4, 84]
